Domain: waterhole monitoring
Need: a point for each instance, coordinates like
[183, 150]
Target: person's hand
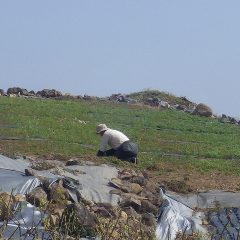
[100, 153]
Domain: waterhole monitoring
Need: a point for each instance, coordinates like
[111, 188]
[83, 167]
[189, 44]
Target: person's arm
[103, 144]
[100, 153]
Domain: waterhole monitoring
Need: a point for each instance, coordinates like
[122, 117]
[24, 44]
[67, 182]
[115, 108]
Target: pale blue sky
[186, 47]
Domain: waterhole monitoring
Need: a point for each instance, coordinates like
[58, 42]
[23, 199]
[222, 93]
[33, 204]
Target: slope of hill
[174, 146]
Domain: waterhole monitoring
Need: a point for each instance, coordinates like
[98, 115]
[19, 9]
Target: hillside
[174, 146]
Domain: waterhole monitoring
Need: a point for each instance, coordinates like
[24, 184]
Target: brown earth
[195, 181]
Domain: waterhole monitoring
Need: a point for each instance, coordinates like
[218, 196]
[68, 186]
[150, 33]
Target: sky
[185, 47]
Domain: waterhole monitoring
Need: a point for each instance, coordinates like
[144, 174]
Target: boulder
[14, 90]
[30, 172]
[32, 92]
[148, 207]
[88, 98]
[58, 194]
[180, 107]
[203, 110]
[154, 102]
[139, 180]
[135, 188]
[18, 91]
[37, 197]
[47, 93]
[102, 212]
[131, 212]
[72, 162]
[148, 219]
[164, 104]
[2, 93]
[131, 202]
[78, 215]
[25, 92]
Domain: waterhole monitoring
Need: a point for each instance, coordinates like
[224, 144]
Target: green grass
[165, 137]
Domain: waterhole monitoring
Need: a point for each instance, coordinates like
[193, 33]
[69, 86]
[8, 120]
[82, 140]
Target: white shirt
[113, 138]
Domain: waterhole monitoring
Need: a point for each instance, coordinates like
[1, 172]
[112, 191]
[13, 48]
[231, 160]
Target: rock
[131, 212]
[2, 93]
[25, 92]
[58, 194]
[55, 213]
[32, 92]
[47, 93]
[164, 104]
[14, 90]
[115, 191]
[152, 187]
[135, 188]
[6, 205]
[154, 102]
[88, 98]
[139, 180]
[79, 215]
[148, 207]
[148, 219]
[123, 216]
[132, 195]
[131, 202]
[20, 198]
[125, 177]
[72, 162]
[37, 197]
[149, 195]
[224, 119]
[115, 182]
[180, 107]
[102, 211]
[30, 172]
[203, 110]
[18, 91]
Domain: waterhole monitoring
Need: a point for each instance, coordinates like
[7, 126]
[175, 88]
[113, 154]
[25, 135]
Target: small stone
[139, 180]
[115, 182]
[30, 172]
[135, 188]
[115, 191]
[126, 177]
[148, 207]
[123, 216]
[20, 198]
[148, 219]
[37, 197]
[72, 162]
[131, 202]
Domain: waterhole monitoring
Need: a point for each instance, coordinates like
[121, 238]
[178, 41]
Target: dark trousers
[127, 151]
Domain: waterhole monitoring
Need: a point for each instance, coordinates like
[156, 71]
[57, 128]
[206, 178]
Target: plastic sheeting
[223, 215]
[14, 181]
[93, 185]
[221, 210]
[175, 217]
[95, 182]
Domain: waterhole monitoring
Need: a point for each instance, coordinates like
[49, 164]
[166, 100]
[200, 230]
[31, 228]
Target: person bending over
[120, 145]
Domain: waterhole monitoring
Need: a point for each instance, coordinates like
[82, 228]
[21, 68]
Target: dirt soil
[196, 182]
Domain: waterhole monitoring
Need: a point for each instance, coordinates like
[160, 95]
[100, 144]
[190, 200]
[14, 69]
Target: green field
[168, 138]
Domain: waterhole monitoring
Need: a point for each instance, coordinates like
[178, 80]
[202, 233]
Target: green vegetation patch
[67, 128]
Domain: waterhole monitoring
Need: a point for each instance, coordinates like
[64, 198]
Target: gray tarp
[175, 217]
[93, 185]
[15, 181]
[220, 209]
